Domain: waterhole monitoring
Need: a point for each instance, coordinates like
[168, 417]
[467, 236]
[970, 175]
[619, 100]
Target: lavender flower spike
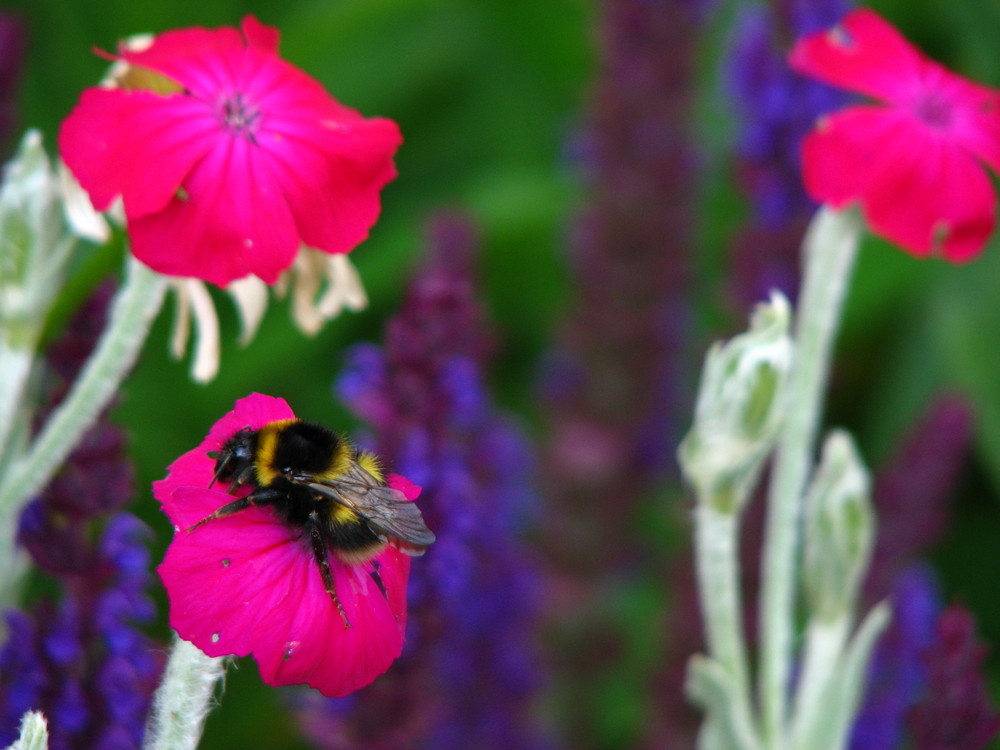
[79, 659]
[468, 676]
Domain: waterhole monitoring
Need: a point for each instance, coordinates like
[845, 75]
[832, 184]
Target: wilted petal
[250, 296]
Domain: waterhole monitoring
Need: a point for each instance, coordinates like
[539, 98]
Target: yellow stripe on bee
[370, 463]
[267, 445]
[342, 514]
[340, 462]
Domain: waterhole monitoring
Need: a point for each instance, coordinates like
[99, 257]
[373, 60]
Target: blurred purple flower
[79, 659]
[913, 491]
[617, 384]
[13, 44]
[955, 712]
[468, 676]
[896, 675]
[774, 109]
[614, 384]
[912, 495]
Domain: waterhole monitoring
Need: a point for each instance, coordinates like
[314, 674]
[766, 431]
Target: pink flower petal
[232, 175]
[315, 646]
[246, 584]
[260, 37]
[254, 411]
[974, 115]
[915, 187]
[249, 584]
[410, 490]
[912, 164]
[228, 575]
[863, 53]
[198, 59]
[348, 165]
[838, 155]
[933, 199]
[138, 145]
[233, 220]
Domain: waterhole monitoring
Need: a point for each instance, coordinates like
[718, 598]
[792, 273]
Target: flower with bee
[290, 545]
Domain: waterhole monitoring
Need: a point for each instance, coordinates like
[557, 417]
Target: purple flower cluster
[926, 688]
[79, 658]
[617, 386]
[774, 109]
[927, 656]
[897, 675]
[468, 675]
[13, 43]
[955, 712]
[614, 386]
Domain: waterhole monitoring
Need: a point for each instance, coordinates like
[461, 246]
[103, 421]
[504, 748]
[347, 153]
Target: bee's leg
[377, 577]
[245, 476]
[260, 497]
[323, 560]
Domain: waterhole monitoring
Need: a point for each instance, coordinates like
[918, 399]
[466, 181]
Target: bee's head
[236, 455]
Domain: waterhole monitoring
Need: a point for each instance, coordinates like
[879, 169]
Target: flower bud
[29, 212]
[839, 528]
[740, 407]
[34, 732]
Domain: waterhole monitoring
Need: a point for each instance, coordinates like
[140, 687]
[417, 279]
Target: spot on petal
[215, 637]
[841, 37]
[226, 562]
[289, 648]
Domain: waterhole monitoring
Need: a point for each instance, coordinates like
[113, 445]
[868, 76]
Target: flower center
[934, 110]
[238, 115]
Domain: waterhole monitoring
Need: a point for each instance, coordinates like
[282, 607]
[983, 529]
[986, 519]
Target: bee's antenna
[227, 456]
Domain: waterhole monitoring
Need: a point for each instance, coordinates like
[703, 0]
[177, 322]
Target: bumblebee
[319, 483]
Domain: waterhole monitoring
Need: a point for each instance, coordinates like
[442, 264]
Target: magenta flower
[234, 160]
[248, 583]
[914, 161]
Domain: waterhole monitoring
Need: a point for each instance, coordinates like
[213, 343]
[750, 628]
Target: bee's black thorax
[275, 458]
[304, 447]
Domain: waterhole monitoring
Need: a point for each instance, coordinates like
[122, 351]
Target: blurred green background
[489, 95]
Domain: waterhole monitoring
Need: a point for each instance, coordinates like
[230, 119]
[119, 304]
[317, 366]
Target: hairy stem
[183, 699]
[830, 249]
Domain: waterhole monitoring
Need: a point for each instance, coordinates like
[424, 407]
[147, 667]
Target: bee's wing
[386, 510]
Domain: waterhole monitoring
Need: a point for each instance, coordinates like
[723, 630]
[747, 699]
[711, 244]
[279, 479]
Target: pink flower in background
[234, 160]
[248, 583]
[914, 161]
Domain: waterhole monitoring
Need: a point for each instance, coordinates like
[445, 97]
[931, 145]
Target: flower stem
[135, 306]
[717, 552]
[822, 657]
[830, 248]
[183, 699]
